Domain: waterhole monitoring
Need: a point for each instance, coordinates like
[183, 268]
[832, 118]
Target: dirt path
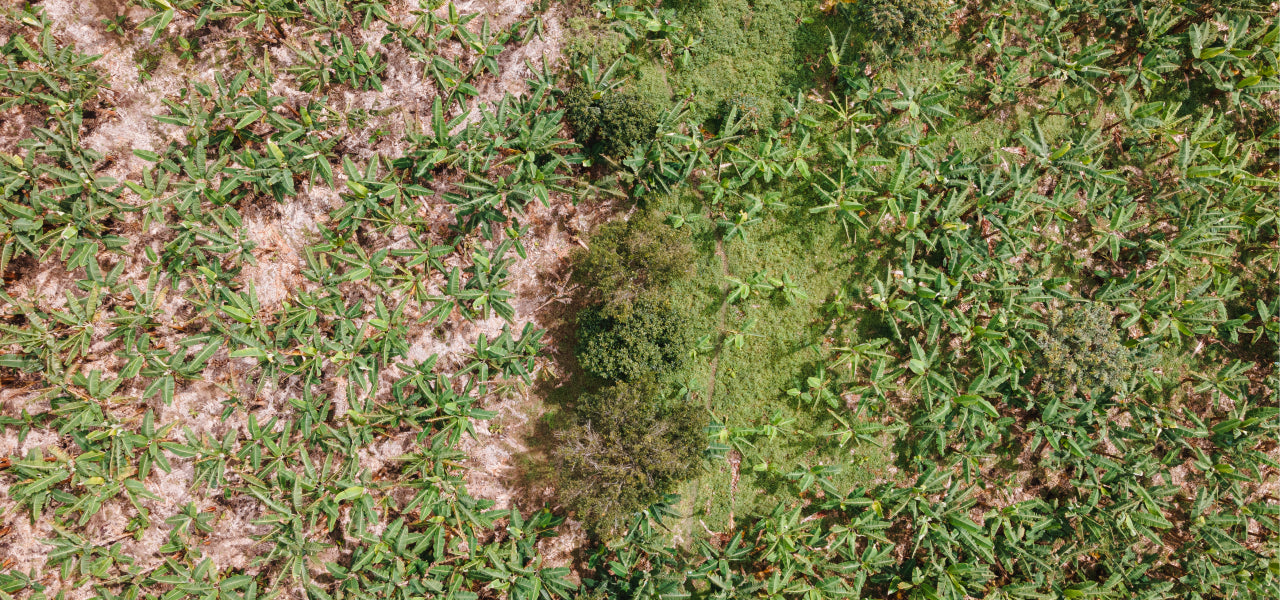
[724, 307]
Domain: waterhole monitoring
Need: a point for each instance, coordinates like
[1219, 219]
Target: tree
[900, 24]
[652, 338]
[627, 259]
[609, 122]
[1082, 353]
[629, 446]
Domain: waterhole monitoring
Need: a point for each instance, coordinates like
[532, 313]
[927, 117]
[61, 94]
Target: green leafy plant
[628, 447]
[1083, 353]
[610, 122]
[653, 337]
[747, 112]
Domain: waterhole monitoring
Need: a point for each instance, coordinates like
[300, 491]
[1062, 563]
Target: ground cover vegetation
[969, 299]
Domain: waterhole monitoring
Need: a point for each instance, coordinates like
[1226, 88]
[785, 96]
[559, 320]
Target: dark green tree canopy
[900, 24]
[653, 338]
[1083, 353]
[609, 122]
[628, 259]
[629, 446]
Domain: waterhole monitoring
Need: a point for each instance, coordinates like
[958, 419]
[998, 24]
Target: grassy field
[784, 343]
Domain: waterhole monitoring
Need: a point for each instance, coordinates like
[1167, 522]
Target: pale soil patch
[538, 281]
[130, 124]
[282, 233]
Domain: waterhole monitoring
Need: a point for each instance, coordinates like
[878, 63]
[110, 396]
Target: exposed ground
[132, 97]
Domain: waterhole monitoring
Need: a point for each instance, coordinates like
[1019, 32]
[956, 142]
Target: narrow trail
[724, 307]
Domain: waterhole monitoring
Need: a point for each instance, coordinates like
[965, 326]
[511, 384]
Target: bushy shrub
[609, 122]
[1083, 354]
[628, 259]
[899, 24]
[628, 447]
[652, 338]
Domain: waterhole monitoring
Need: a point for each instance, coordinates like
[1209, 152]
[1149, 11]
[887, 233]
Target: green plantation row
[956, 300]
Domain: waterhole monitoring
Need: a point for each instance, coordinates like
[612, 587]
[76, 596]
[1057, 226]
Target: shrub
[1082, 353]
[627, 259]
[609, 122]
[654, 337]
[902, 23]
[628, 447]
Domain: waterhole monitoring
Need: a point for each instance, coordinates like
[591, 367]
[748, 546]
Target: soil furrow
[724, 307]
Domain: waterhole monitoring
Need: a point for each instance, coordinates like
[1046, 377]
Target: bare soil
[282, 232]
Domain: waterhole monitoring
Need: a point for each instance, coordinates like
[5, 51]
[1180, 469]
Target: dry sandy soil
[282, 232]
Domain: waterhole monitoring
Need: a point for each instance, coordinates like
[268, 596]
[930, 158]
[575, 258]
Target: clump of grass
[766, 49]
[148, 59]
